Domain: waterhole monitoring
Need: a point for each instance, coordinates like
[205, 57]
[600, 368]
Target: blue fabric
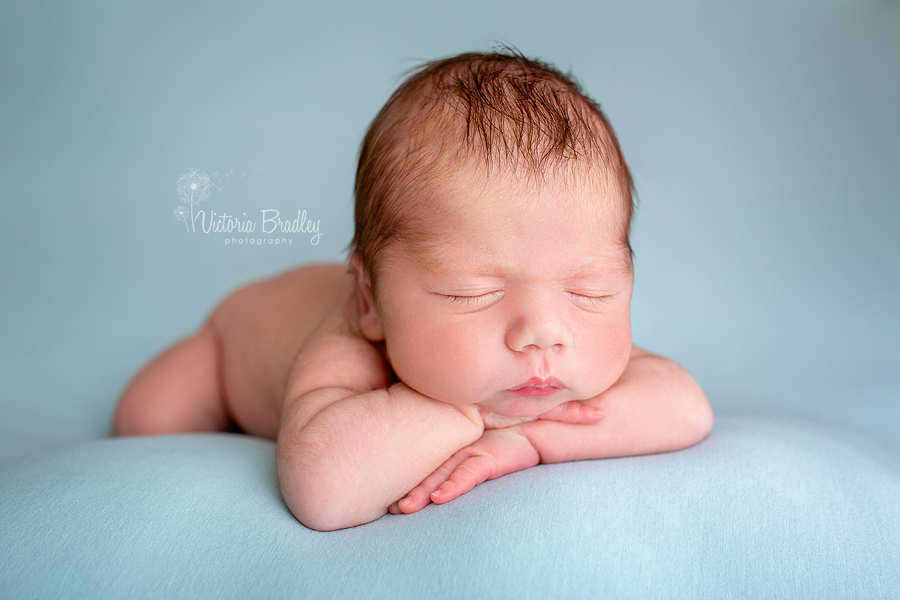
[764, 147]
[761, 509]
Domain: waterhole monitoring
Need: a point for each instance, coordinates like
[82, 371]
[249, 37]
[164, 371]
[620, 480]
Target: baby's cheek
[621, 347]
[451, 370]
[611, 352]
[455, 368]
[423, 364]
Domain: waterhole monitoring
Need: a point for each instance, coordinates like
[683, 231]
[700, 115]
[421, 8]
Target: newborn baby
[481, 328]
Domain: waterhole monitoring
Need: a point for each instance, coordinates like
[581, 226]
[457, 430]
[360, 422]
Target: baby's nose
[538, 330]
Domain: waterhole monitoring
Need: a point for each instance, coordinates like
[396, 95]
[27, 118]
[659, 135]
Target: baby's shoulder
[319, 273]
[336, 354]
[266, 322]
[327, 281]
[300, 294]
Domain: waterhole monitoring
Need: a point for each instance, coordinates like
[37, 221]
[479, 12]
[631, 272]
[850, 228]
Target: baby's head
[498, 114]
[493, 208]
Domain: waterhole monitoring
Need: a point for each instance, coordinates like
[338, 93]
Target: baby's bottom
[178, 392]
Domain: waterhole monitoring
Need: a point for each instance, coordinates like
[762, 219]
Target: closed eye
[476, 301]
[588, 300]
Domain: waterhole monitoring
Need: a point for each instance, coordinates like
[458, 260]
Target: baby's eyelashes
[589, 300]
[475, 300]
[486, 299]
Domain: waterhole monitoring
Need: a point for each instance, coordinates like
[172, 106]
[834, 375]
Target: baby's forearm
[655, 407]
[359, 454]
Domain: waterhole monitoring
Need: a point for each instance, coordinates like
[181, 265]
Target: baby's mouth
[538, 387]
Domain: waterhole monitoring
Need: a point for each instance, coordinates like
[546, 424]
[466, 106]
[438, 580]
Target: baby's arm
[655, 406]
[349, 446]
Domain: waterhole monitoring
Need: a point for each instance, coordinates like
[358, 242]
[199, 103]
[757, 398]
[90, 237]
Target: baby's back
[260, 329]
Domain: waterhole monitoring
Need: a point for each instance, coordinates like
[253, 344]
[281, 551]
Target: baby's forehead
[452, 258]
[590, 198]
[506, 231]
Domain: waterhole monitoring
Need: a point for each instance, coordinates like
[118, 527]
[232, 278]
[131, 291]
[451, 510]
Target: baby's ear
[369, 321]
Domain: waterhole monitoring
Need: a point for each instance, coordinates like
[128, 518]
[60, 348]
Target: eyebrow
[444, 262]
[617, 266]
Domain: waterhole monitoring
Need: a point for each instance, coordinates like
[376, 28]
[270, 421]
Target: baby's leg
[178, 392]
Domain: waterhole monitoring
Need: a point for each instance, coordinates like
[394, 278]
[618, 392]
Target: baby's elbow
[316, 493]
[319, 502]
[699, 413]
[317, 511]
[704, 420]
[312, 516]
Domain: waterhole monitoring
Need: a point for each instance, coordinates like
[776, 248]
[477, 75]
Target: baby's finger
[573, 412]
[414, 501]
[420, 496]
[470, 472]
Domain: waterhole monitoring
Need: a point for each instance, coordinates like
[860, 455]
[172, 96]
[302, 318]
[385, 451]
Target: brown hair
[508, 110]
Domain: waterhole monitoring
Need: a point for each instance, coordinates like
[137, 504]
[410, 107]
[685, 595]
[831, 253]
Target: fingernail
[598, 412]
[405, 501]
[436, 493]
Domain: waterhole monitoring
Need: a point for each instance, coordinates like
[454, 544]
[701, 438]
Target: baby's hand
[494, 454]
[501, 450]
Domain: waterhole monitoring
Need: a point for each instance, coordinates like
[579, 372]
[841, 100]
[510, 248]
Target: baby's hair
[501, 110]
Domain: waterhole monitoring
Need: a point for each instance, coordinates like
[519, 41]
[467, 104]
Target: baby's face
[522, 304]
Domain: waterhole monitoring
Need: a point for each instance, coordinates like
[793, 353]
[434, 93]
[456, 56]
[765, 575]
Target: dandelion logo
[193, 188]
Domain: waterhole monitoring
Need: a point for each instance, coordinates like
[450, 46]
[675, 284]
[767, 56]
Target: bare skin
[503, 343]
[233, 372]
[337, 391]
